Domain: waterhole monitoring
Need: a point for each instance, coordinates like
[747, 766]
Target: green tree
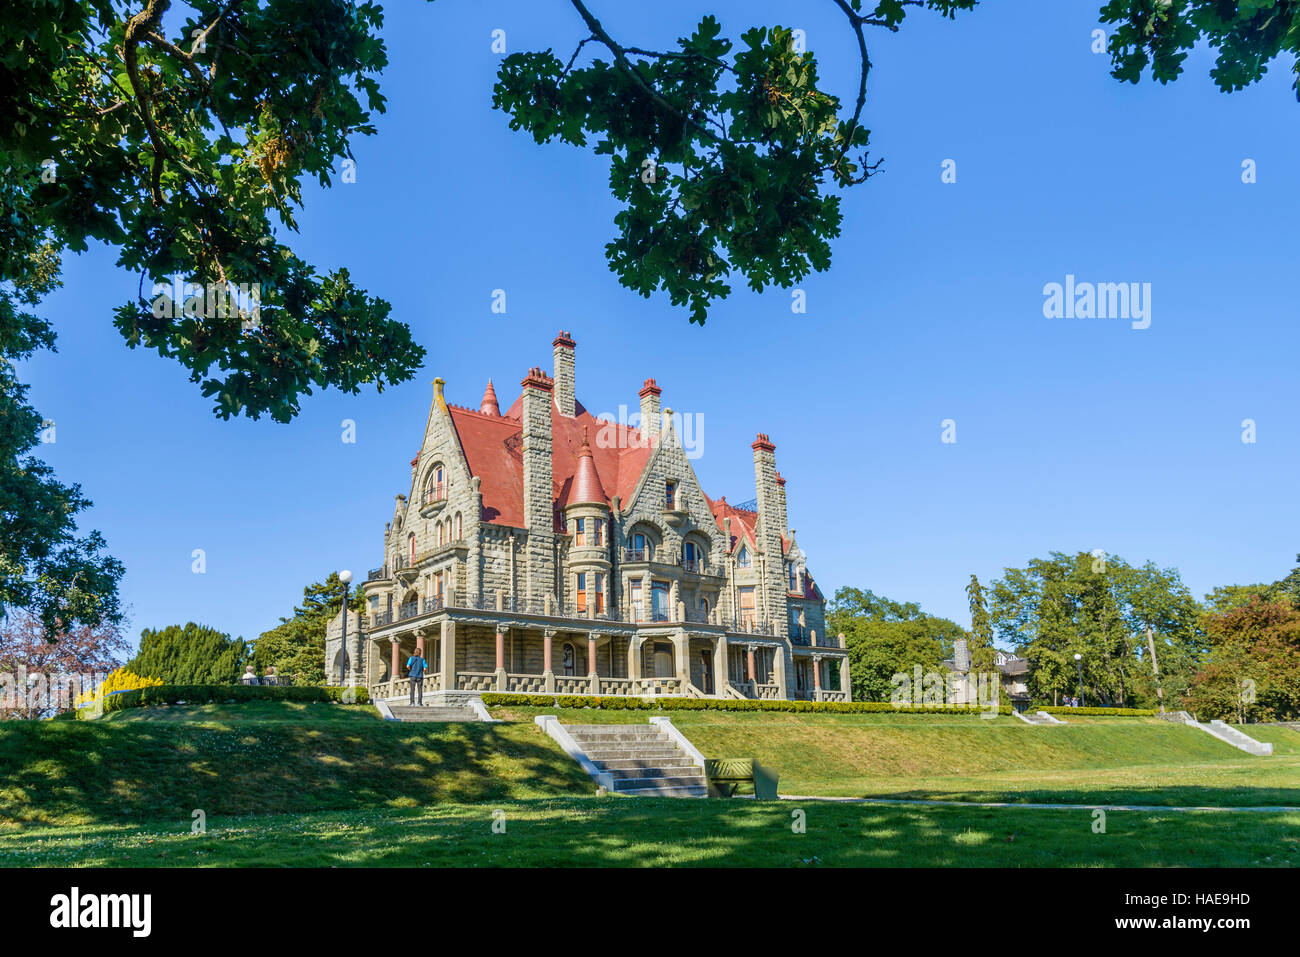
[885, 638]
[181, 134]
[1247, 36]
[1098, 607]
[981, 631]
[296, 646]
[190, 654]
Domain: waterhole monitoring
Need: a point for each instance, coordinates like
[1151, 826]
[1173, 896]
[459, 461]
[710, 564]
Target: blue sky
[1071, 433]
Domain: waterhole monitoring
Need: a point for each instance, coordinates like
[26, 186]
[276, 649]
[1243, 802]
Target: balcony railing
[377, 574]
[692, 566]
[636, 554]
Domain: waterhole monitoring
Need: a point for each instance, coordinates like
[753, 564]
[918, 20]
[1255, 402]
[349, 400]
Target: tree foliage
[720, 155]
[885, 637]
[296, 646]
[1246, 35]
[190, 654]
[84, 651]
[1097, 607]
[1252, 669]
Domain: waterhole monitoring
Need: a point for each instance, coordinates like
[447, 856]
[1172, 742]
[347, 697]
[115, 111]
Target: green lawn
[956, 757]
[324, 784]
[646, 832]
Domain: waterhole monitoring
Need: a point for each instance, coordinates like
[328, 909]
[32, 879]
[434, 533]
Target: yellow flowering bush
[119, 680]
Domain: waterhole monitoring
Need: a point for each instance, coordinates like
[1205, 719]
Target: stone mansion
[540, 549]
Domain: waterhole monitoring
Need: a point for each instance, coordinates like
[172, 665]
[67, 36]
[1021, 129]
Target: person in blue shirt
[415, 668]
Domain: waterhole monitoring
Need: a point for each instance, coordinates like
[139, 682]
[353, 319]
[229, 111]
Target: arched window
[458, 534]
[567, 659]
[742, 557]
[411, 543]
[440, 533]
[436, 489]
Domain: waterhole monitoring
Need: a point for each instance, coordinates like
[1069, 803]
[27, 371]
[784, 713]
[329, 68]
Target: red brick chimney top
[564, 339]
[764, 443]
[650, 388]
[537, 379]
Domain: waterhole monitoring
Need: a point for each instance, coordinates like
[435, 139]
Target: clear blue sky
[1071, 433]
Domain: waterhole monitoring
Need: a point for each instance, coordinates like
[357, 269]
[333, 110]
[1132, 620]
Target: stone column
[394, 672]
[751, 673]
[502, 681]
[634, 662]
[647, 598]
[817, 677]
[782, 681]
[548, 676]
[448, 655]
[846, 679]
[721, 668]
[591, 662]
[681, 647]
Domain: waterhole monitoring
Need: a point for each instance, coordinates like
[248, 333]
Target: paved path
[1054, 807]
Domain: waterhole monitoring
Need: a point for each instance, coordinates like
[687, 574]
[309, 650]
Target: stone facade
[542, 549]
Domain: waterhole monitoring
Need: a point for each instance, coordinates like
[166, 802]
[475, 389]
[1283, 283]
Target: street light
[1078, 664]
[345, 577]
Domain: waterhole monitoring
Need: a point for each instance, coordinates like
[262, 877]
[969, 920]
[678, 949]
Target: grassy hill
[1100, 760]
[329, 784]
[265, 758]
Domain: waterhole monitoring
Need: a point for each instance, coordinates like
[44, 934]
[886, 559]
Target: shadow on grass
[92, 771]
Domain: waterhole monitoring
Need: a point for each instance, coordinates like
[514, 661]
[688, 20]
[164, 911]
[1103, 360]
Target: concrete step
[682, 792]
[614, 754]
[418, 713]
[679, 760]
[667, 779]
[628, 737]
[619, 774]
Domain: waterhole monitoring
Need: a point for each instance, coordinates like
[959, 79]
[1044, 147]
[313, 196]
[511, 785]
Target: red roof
[493, 447]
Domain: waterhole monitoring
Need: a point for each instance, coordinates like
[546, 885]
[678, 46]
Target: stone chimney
[767, 532]
[782, 518]
[539, 508]
[565, 400]
[650, 417]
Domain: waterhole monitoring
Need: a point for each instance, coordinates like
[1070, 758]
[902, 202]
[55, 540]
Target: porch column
[502, 680]
[448, 655]
[846, 685]
[548, 676]
[591, 662]
[394, 671]
[817, 677]
[752, 673]
[782, 680]
[681, 649]
[634, 662]
[721, 669]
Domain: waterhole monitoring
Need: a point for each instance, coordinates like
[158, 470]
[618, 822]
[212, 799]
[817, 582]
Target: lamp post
[345, 577]
[1078, 664]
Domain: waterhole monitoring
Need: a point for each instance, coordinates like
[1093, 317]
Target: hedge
[217, 694]
[1112, 712]
[492, 699]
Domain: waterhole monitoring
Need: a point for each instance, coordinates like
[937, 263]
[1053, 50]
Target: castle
[541, 549]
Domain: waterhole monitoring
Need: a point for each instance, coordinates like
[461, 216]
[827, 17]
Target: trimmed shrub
[1112, 712]
[220, 694]
[506, 699]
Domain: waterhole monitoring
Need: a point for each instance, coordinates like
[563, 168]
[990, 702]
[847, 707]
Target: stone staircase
[639, 760]
[407, 712]
[1224, 732]
[1037, 717]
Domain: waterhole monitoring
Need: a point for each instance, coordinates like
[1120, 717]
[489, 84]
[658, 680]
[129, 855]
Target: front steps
[632, 760]
[1037, 717]
[408, 712]
[1224, 732]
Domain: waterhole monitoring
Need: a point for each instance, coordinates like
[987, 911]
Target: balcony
[377, 574]
[633, 555]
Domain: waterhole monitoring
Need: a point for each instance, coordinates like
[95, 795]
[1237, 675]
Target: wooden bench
[724, 776]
